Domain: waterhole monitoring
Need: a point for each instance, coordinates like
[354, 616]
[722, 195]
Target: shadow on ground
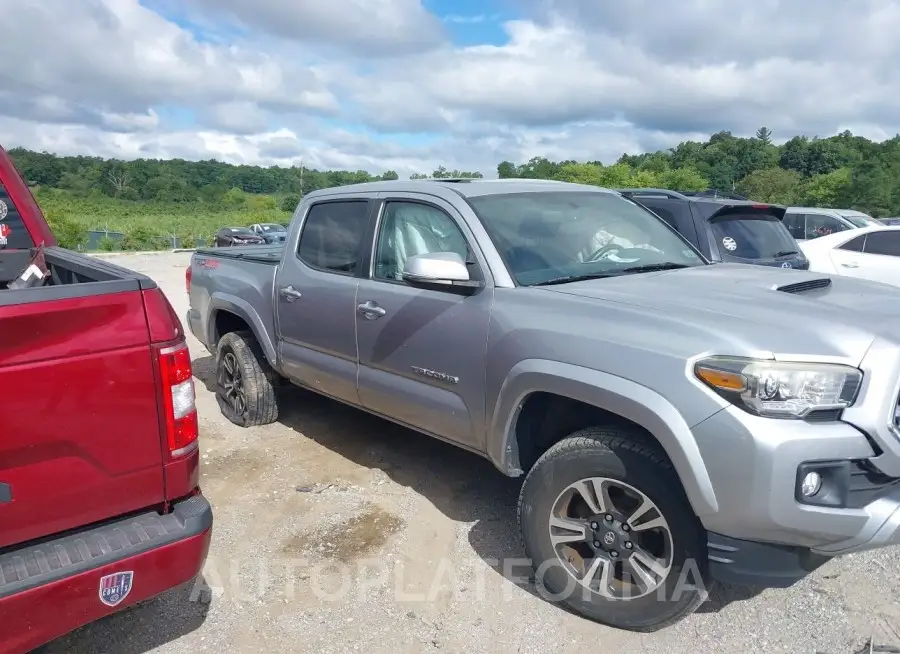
[463, 486]
[141, 628]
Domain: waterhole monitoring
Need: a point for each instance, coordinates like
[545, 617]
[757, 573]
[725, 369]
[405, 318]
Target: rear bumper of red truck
[53, 587]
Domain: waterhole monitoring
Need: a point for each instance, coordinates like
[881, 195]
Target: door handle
[850, 264]
[370, 310]
[290, 293]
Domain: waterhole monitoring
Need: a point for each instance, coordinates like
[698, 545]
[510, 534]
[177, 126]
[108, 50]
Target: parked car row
[257, 234]
[678, 417]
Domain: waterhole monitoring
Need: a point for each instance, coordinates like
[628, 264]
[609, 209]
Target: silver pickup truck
[677, 422]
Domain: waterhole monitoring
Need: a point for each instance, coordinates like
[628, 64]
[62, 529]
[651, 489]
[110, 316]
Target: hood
[771, 310]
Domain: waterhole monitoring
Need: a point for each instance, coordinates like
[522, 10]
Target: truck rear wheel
[245, 382]
[610, 532]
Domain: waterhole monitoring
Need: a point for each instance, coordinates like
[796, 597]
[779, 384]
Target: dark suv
[726, 227]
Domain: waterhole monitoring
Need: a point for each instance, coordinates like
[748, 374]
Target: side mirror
[440, 270]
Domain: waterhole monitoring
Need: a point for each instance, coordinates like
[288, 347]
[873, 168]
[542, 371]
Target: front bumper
[737, 561]
[53, 587]
[753, 462]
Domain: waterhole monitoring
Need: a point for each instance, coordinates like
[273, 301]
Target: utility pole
[301, 178]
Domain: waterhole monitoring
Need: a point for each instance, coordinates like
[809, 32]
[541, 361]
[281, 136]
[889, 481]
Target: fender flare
[242, 309]
[617, 395]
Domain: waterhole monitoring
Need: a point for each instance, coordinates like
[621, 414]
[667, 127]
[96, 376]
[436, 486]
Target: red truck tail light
[179, 400]
[187, 280]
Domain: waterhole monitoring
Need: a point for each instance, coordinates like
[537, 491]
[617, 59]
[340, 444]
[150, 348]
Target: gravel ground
[336, 531]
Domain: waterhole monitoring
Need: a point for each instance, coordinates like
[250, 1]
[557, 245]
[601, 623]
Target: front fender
[244, 310]
[617, 395]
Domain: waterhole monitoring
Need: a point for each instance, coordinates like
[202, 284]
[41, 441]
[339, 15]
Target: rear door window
[752, 237]
[887, 243]
[333, 234]
[13, 234]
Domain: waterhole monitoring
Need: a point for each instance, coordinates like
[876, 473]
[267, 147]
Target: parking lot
[336, 531]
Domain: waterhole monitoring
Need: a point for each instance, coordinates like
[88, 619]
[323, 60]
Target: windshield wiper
[650, 267]
[575, 278]
[668, 265]
[784, 253]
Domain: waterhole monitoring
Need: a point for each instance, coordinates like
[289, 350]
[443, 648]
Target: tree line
[839, 171]
[843, 171]
[182, 181]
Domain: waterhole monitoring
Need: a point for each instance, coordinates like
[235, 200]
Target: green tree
[290, 202]
[685, 178]
[775, 185]
[828, 190]
[506, 170]
[69, 234]
[764, 134]
[577, 173]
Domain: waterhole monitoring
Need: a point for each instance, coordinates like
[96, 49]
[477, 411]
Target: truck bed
[71, 275]
[245, 272]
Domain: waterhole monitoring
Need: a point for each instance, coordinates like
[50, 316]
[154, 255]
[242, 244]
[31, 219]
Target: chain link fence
[103, 240]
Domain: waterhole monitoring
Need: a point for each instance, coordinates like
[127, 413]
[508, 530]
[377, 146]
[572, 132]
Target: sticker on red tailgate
[115, 587]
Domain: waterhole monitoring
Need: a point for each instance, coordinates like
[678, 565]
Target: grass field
[150, 225]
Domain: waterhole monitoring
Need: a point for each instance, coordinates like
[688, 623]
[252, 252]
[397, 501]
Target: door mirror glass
[438, 268]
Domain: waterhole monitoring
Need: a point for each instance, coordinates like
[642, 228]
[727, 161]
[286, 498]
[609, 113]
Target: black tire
[614, 453]
[257, 378]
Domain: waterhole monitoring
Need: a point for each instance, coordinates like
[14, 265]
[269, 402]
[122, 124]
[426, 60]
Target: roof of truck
[464, 187]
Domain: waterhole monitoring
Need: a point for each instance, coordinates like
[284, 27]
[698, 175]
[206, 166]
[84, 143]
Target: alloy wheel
[611, 538]
[231, 381]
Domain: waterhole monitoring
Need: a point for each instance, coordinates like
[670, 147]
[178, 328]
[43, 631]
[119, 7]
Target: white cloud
[369, 28]
[577, 80]
[468, 20]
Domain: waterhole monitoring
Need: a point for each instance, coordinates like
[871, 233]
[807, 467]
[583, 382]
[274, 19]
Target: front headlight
[778, 389]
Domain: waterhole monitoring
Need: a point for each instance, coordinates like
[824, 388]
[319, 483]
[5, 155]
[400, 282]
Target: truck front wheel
[245, 383]
[610, 533]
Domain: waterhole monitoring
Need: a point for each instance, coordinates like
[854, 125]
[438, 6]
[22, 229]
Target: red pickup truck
[100, 505]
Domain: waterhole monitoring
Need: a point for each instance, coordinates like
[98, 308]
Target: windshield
[242, 232]
[551, 236]
[861, 221]
[268, 227]
[752, 237]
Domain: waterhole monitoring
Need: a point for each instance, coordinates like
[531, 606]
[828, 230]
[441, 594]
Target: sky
[410, 85]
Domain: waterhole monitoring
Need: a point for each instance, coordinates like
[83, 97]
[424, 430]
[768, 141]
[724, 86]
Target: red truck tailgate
[79, 440]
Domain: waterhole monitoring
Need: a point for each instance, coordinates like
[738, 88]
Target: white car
[871, 253]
